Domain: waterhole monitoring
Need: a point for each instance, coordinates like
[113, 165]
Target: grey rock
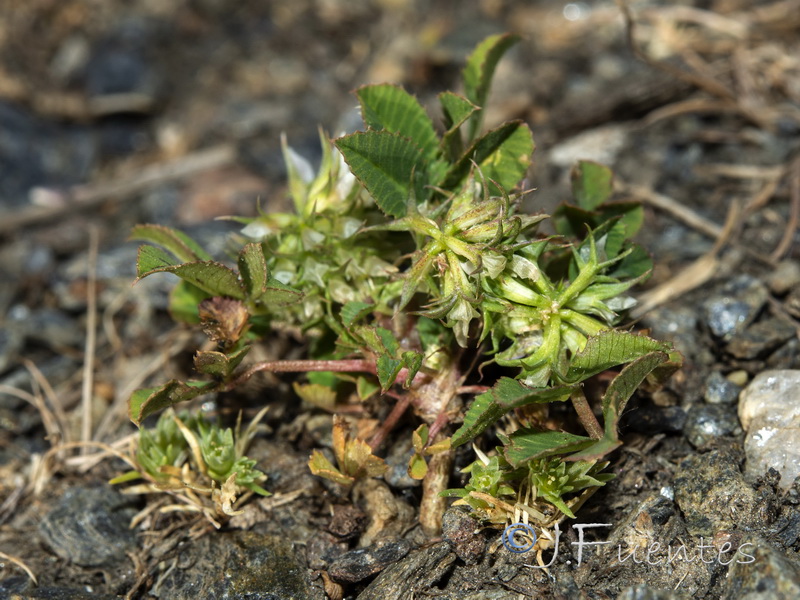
[398, 457]
[49, 326]
[11, 341]
[720, 390]
[35, 152]
[713, 494]
[89, 526]
[500, 594]
[761, 338]
[357, 565]
[463, 532]
[735, 306]
[640, 545]
[645, 592]
[19, 588]
[121, 62]
[785, 357]
[764, 574]
[769, 409]
[238, 566]
[725, 316]
[419, 570]
[705, 423]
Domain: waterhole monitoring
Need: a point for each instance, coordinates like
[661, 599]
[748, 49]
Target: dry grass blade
[794, 213]
[693, 276]
[733, 26]
[116, 413]
[20, 564]
[49, 420]
[676, 209]
[91, 338]
[692, 105]
[92, 196]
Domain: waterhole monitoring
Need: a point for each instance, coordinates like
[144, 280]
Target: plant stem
[347, 365]
[432, 506]
[303, 366]
[585, 415]
[399, 408]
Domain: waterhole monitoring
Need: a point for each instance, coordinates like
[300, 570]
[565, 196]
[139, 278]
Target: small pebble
[735, 306]
[706, 422]
[739, 377]
[357, 565]
[784, 278]
[721, 390]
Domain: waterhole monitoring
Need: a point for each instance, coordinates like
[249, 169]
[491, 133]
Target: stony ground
[115, 113]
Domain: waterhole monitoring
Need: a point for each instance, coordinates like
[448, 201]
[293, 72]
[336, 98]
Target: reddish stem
[394, 416]
[586, 416]
[473, 389]
[304, 366]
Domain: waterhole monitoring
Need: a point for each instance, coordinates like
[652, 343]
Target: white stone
[769, 409]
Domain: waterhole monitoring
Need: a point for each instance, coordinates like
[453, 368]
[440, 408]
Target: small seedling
[410, 265]
[195, 459]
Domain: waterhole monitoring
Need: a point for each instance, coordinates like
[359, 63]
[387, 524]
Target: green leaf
[353, 311]
[181, 245]
[319, 395]
[388, 368]
[635, 264]
[610, 349]
[253, 269]
[419, 438]
[209, 276]
[219, 364]
[412, 361]
[417, 467]
[389, 107]
[146, 402]
[624, 385]
[125, 478]
[388, 340]
[457, 110]
[183, 301]
[506, 395]
[479, 71]
[591, 184]
[597, 450]
[384, 163]
[526, 445]
[502, 154]
[321, 466]
[370, 338]
[366, 388]
[276, 294]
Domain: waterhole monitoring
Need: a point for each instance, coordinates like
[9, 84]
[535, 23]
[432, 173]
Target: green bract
[409, 256]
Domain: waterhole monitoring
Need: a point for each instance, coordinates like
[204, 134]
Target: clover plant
[408, 261]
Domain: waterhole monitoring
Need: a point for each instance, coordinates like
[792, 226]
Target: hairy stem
[585, 415]
[357, 365]
[399, 408]
[432, 506]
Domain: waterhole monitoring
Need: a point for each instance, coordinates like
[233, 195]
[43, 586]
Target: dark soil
[115, 113]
